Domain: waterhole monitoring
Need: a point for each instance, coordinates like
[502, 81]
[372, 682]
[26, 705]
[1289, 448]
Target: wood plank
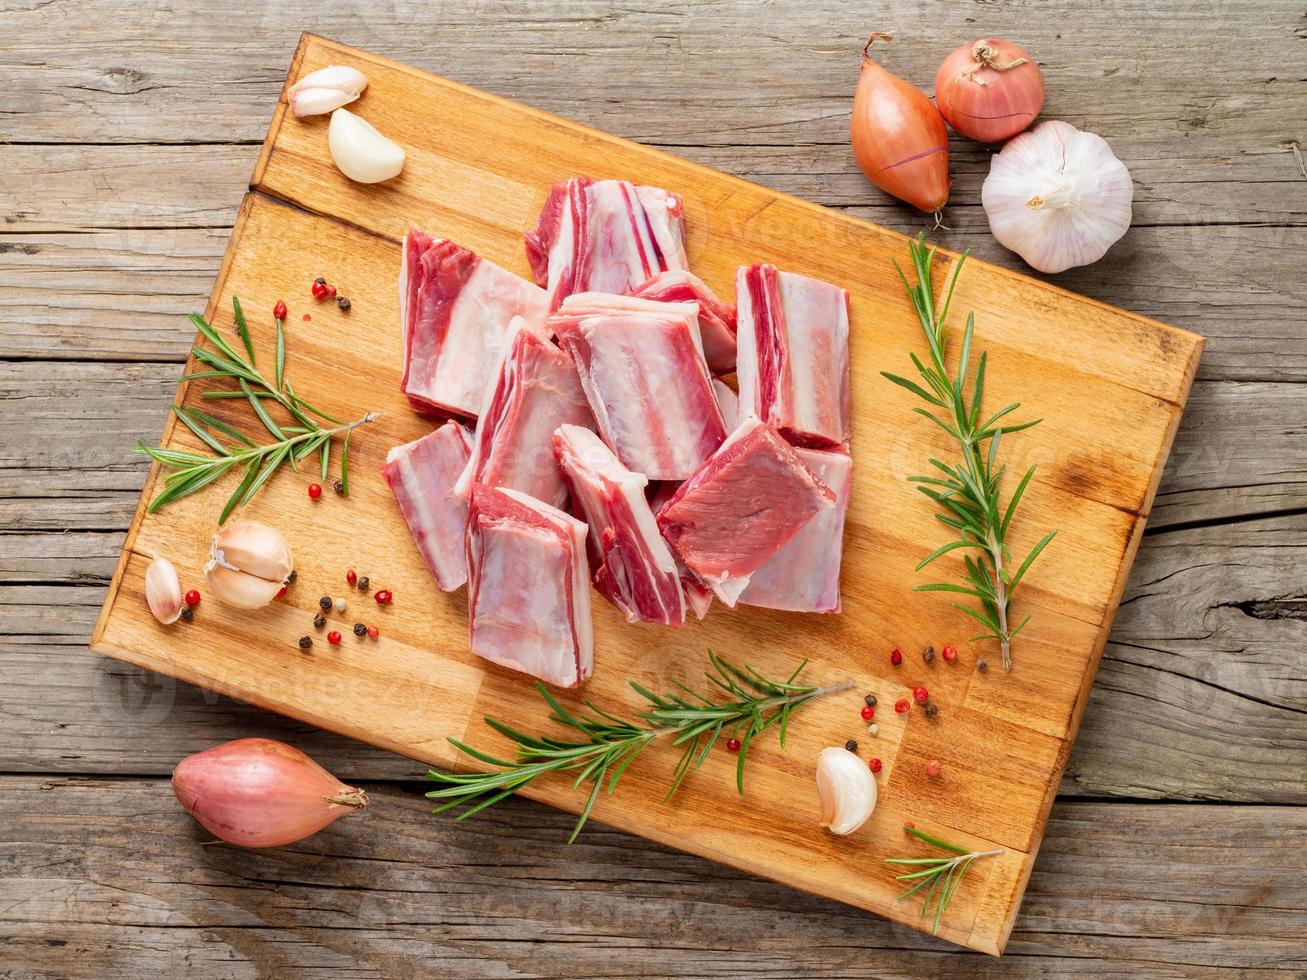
[1117, 890]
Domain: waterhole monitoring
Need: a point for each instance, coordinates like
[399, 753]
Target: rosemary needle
[940, 876]
[967, 492]
[692, 722]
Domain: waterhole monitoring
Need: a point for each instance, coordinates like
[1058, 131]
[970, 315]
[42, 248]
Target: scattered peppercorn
[928, 654]
[383, 597]
[932, 768]
[902, 705]
[920, 695]
[868, 712]
[851, 745]
[871, 700]
[320, 281]
[315, 491]
[363, 584]
[343, 303]
[339, 487]
[334, 638]
[908, 824]
[949, 653]
[319, 290]
[351, 576]
[373, 632]
[325, 603]
[290, 579]
[331, 290]
[733, 744]
[873, 728]
[319, 620]
[340, 604]
[360, 629]
[896, 657]
[188, 614]
[982, 666]
[279, 311]
[192, 598]
[874, 765]
[281, 593]
[306, 642]
[930, 709]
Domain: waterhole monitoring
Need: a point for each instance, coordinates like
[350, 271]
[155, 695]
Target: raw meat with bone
[804, 576]
[716, 319]
[642, 368]
[741, 507]
[529, 587]
[422, 475]
[793, 354]
[537, 391]
[455, 308]
[604, 236]
[635, 569]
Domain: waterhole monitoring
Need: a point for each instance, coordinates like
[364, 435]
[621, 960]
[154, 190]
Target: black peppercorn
[982, 665]
[928, 654]
[851, 745]
[339, 487]
[871, 700]
[320, 281]
[325, 602]
[343, 303]
[306, 642]
[290, 579]
[363, 584]
[319, 620]
[187, 614]
[930, 709]
[360, 629]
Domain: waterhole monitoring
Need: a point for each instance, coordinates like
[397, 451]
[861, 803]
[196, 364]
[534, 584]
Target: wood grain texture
[478, 180]
[1157, 891]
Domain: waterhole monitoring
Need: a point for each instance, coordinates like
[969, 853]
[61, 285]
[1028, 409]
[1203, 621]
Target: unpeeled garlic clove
[362, 153]
[163, 591]
[248, 564]
[326, 89]
[846, 788]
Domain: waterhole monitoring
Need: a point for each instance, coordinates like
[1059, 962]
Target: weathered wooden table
[128, 130]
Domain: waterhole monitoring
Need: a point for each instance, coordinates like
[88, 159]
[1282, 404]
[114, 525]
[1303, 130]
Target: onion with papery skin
[899, 138]
[989, 90]
[259, 793]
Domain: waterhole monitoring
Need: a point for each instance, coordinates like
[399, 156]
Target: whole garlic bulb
[1057, 196]
[248, 564]
[326, 89]
[360, 152]
[846, 788]
[163, 591]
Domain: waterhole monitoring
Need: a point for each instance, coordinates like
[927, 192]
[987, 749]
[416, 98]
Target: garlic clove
[360, 152]
[326, 89]
[846, 789]
[255, 548]
[239, 589]
[163, 591]
[1058, 197]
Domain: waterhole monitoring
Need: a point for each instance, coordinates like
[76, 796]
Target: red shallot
[256, 792]
[899, 138]
[989, 90]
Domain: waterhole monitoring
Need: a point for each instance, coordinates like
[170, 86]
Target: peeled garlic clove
[846, 788]
[255, 548]
[248, 564]
[163, 591]
[326, 89]
[362, 153]
[1057, 196]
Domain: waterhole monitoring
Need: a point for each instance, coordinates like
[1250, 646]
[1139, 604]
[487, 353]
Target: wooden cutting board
[1109, 385]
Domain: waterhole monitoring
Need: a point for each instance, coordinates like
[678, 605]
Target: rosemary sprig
[967, 492]
[191, 471]
[693, 723]
[940, 876]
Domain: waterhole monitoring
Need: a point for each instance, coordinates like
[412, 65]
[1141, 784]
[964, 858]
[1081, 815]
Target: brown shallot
[256, 792]
[899, 138]
[989, 90]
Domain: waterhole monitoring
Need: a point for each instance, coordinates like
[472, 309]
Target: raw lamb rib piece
[422, 475]
[454, 310]
[741, 507]
[716, 319]
[804, 576]
[608, 236]
[642, 368]
[698, 597]
[728, 402]
[536, 392]
[635, 569]
[793, 358]
[529, 587]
